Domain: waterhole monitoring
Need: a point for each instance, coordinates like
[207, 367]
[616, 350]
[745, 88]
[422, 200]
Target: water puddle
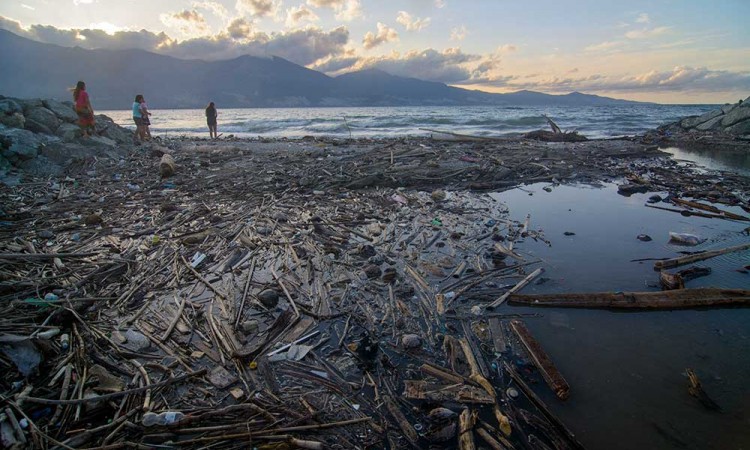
[627, 370]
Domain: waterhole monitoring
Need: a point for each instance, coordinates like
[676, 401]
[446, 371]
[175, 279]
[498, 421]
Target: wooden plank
[461, 393]
[498, 337]
[675, 299]
[539, 357]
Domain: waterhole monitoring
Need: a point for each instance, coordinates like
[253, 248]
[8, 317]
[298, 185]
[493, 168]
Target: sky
[665, 51]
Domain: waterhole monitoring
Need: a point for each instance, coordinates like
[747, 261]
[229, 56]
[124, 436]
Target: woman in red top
[83, 108]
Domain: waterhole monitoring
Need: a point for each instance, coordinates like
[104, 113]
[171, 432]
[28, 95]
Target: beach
[326, 292]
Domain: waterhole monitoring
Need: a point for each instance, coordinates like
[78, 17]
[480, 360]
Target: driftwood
[539, 357]
[461, 393]
[520, 285]
[677, 299]
[696, 390]
[667, 263]
[167, 166]
[710, 208]
[465, 425]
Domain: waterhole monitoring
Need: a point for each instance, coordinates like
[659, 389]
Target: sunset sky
[666, 51]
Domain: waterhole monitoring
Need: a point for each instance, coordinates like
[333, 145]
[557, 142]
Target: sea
[379, 122]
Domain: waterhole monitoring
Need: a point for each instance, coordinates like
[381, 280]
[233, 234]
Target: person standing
[146, 120]
[83, 109]
[211, 116]
[138, 119]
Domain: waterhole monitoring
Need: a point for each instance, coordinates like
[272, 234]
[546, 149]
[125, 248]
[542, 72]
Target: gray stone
[44, 117]
[691, 122]
[24, 355]
[711, 124]
[269, 298]
[68, 132]
[9, 106]
[737, 115]
[36, 127]
[29, 103]
[108, 128]
[63, 111]
[45, 234]
[136, 341]
[15, 120]
[411, 341]
[745, 103]
[20, 144]
[98, 141]
[741, 128]
[726, 108]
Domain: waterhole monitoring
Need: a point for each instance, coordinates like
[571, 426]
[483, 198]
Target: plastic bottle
[165, 418]
[65, 341]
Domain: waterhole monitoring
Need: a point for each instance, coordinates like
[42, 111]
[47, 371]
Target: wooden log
[167, 166]
[521, 284]
[710, 208]
[461, 393]
[696, 390]
[569, 436]
[682, 260]
[676, 299]
[465, 434]
[539, 357]
[406, 427]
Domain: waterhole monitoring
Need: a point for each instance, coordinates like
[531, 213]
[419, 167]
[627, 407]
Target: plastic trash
[685, 239]
[65, 341]
[151, 419]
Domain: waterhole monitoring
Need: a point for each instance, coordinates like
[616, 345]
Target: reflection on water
[720, 159]
[626, 370]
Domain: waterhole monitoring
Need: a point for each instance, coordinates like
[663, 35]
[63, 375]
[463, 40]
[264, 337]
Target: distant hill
[33, 69]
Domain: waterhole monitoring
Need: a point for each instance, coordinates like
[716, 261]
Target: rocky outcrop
[732, 119]
[35, 133]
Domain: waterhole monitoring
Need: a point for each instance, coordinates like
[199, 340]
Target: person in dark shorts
[211, 115]
[140, 133]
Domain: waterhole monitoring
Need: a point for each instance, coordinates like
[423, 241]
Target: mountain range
[113, 78]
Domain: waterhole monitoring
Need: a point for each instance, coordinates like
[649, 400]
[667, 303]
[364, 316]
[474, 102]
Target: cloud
[458, 33]
[447, 66]
[645, 33]
[385, 34]
[439, 3]
[346, 10]
[240, 29]
[24, 5]
[405, 19]
[604, 46]
[217, 8]
[302, 47]
[679, 79]
[643, 18]
[187, 21]
[298, 15]
[82, 2]
[259, 8]
[507, 48]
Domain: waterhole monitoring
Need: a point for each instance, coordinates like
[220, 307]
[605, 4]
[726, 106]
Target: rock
[740, 128]
[372, 271]
[15, 120]
[735, 116]
[367, 251]
[411, 341]
[106, 127]
[438, 195]
[269, 298]
[728, 107]
[220, 377]
[93, 219]
[167, 166]
[250, 326]
[99, 141]
[745, 103]
[690, 122]
[442, 425]
[36, 127]
[107, 381]
[711, 124]
[24, 354]
[644, 237]
[63, 110]
[656, 198]
[136, 341]
[389, 274]
[9, 107]
[45, 234]
[19, 145]
[68, 132]
[27, 104]
[43, 117]
[569, 233]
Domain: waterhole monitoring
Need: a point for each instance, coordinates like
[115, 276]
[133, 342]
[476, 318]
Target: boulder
[63, 110]
[106, 127]
[68, 132]
[36, 127]
[740, 128]
[9, 106]
[726, 108]
[690, 122]
[736, 115]
[29, 103]
[44, 117]
[745, 103]
[19, 145]
[711, 124]
[15, 120]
